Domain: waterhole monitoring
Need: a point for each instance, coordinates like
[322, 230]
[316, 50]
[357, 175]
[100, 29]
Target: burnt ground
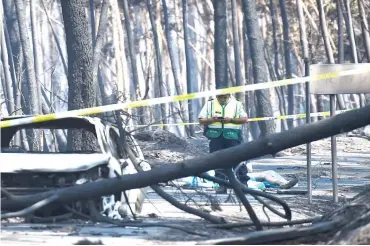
[160, 147]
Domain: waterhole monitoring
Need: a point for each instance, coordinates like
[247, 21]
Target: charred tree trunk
[304, 44]
[171, 38]
[264, 108]
[220, 44]
[238, 69]
[250, 101]
[340, 31]
[340, 98]
[36, 51]
[98, 44]
[8, 48]
[189, 78]
[30, 68]
[288, 63]
[81, 91]
[7, 79]
[15, 81]
[279, 90]
[346, 7]
[328, 49]
[158, 61]
[365, 28]
[132, 54]
[12, 28]
[92, 21]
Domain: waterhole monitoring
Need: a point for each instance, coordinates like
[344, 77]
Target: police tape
[168, 99]
[280, 117]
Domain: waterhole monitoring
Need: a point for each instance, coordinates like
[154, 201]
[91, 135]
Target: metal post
[308, 121]
[334, 153]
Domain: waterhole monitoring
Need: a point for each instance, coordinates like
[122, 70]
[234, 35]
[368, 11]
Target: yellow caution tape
[160, 100]
[280, 117]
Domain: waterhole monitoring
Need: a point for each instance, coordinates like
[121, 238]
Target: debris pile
[161, 146]
[347, 144]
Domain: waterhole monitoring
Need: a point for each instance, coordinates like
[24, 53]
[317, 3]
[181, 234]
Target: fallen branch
[168, 197]
[77, 213]
[267, 224]
[220, 159]
[240, 194]
[256, 194]
[185, 208]
[31, 209]
[341, 225]
[51, 219]
[6, 193]
[97, 217]
[276, 235]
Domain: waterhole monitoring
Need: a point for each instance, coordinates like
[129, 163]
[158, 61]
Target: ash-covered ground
[163, 147]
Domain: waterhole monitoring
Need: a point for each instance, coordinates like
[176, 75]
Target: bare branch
[32, 208]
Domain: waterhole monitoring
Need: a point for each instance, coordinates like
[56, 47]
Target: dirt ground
[159, 147]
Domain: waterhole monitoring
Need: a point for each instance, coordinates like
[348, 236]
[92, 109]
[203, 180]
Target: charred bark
[27, 53]
[158, 61]
[98, 44]
[14, 40]
[7, 79]
[36, 50]
[81, 91]
[250, 108]
[238, 69]
[340, 98]
[171, 37]
[346, 7]
[264, 108]
[33, 99]
[220, 44]
[340, 31]
[185, 14]
[365, 28]
[132, 55]
[279, 90]
[287, 57]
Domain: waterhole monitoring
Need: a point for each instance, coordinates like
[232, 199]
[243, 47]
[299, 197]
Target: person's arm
[207, 121]
[204, 117]
[243, 117]
[240, 120]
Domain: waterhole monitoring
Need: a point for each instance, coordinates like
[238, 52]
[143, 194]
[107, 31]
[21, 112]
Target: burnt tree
[288, 63]
[238, 69]
[188, 66]
[263, 104]
[158, 61]
[32, 102]
[81, 90]
[220, 44]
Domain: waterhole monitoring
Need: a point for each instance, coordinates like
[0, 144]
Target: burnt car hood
[50, 162]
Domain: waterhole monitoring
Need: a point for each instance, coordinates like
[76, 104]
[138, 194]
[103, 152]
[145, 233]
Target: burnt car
[27, 172]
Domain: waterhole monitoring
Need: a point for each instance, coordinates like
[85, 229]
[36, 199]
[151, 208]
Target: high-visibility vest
[230, 110]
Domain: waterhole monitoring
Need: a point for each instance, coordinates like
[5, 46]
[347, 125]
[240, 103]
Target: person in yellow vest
[222, 118]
